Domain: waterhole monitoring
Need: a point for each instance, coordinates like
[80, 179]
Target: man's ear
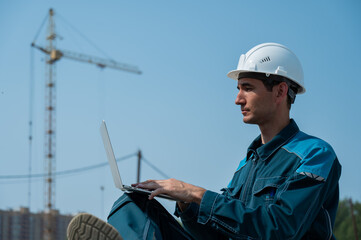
[281, 92]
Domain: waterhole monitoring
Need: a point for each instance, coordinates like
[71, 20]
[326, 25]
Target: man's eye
[248, 89]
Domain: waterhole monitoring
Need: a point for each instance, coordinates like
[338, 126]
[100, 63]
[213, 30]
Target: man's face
[257, 103]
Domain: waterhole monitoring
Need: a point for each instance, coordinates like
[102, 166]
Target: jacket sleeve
[197, 230]
[297, 203]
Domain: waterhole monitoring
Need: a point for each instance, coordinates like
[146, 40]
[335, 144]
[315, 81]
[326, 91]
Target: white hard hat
[271, 58]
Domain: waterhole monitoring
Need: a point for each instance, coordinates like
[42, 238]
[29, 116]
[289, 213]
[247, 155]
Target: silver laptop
[114, 166]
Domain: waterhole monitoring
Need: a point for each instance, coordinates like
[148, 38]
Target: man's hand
[183, 192]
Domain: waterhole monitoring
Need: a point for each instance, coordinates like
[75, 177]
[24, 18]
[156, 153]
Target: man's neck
[270, 129]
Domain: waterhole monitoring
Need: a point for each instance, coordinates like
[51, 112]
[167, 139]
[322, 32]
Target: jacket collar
[266, 150]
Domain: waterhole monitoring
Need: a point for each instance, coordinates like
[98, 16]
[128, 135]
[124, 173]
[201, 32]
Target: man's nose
[240, 99]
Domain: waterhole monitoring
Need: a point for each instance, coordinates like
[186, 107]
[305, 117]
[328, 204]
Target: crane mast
[50, 131]
[52, 56]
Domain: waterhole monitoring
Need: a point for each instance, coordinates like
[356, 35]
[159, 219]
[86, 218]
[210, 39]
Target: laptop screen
[111, 157]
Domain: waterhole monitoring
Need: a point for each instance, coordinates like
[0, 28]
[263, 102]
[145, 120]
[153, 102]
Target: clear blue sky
[180, 112]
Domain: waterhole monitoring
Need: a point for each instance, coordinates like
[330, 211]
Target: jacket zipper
[250, 173]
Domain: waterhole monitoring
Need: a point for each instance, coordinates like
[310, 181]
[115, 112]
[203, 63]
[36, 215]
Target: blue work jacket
[285, 189]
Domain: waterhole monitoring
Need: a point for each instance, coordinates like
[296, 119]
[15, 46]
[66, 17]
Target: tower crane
[52, 56]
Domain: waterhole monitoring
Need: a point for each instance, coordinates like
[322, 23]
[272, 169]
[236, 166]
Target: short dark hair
[269, 86]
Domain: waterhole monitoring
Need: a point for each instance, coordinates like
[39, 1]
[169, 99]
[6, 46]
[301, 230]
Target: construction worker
[286, 187]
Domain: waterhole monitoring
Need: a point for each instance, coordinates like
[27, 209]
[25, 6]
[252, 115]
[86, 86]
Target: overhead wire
[16, 179]
[65, 172]
[37, 179]
[155, 168]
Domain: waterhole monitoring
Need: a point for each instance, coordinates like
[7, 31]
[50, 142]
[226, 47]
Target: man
[287, 185]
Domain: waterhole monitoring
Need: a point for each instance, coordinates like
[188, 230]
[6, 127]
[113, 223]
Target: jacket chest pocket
[232, 192]
[265, 189]
[235, 186]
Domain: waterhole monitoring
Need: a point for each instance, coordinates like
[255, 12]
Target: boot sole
[86, 226]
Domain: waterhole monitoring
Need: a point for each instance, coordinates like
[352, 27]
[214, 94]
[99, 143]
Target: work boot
[86, 226]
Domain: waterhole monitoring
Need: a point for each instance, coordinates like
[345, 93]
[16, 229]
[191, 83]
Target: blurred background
[179, 112]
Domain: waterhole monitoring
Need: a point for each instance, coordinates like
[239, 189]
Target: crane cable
[70, 35]
[84, 37]
[41, 27]
[31, 108]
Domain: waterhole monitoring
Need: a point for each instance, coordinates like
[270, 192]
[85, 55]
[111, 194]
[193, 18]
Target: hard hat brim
[235, 73]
